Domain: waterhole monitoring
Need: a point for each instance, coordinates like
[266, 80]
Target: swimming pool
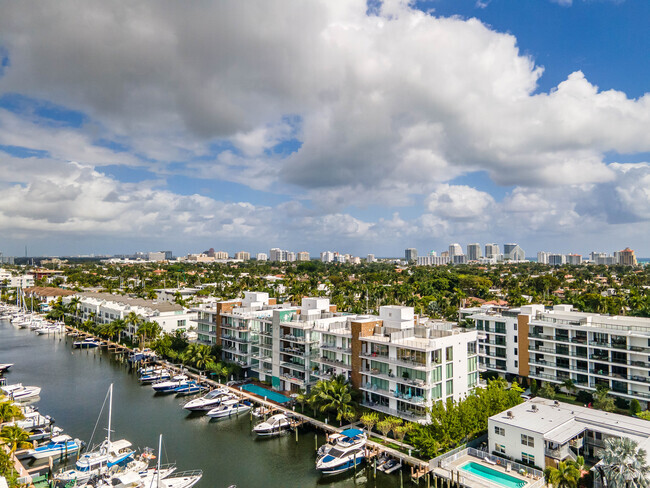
[492, 475]
[269, 394]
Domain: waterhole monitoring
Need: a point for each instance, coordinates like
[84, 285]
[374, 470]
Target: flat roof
[160, 306]
[559, 422]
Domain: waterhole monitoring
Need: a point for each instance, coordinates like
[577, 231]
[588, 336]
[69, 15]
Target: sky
[344, 125]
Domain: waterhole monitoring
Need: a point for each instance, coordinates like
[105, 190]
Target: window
[450, 387]
[449, 353]
[450, 370]
[499, 430]
[516, 351]
[472, 364]
[515, 339]
[527, 458]
[471, 348]
[527, 440]
[516, 363]
[436, 374]
[472, 379]
[514, 326]
[500, 448]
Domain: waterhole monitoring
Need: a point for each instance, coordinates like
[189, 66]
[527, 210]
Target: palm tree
[335, 396]
[9, 412]
[117, 327]
[148, 330]
[566, 475]
[15, 438]
[74, 306]
[624, 464]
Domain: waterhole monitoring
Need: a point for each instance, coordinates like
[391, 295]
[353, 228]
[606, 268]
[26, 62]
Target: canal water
[74, 385]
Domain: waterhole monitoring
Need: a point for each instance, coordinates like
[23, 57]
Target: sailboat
[106, 456]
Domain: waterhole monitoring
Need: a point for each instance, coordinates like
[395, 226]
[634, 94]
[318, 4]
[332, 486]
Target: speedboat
[229, 408]
[20, 393]
[5, 366]
[87, 343]
[345, 451]
[189, 388]
[274, 425]
[159, 374]
[137, 355]
[390, 466]
[209, 401]
[32, 421]
[168, 386]
[42, 433]
[50, 329]
[261, 412]
[62, 445]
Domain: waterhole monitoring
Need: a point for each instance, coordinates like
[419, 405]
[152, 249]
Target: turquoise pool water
[263, 392]
[493, 475]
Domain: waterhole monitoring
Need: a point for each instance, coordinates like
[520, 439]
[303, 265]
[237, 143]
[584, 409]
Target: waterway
[74, 385]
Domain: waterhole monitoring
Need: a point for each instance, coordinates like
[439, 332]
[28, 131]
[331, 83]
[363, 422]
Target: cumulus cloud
[387, 109]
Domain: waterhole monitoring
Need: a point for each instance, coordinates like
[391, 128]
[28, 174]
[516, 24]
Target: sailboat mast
[110, 413]
[159, 456]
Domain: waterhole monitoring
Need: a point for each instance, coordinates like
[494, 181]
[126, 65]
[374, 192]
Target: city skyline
[358, 126]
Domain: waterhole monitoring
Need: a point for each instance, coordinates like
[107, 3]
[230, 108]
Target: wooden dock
[418, 467]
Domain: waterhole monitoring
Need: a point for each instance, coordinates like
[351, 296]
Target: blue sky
[325, 125]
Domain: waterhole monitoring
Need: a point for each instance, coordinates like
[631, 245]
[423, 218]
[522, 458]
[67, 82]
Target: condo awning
[565, 432]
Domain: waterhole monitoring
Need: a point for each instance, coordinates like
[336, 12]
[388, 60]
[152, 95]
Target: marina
[228, 452]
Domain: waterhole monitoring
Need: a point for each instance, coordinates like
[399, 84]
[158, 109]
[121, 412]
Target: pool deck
[473, 480]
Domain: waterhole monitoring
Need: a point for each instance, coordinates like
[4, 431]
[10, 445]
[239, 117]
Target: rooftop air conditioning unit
[534, 407]
[510, 414]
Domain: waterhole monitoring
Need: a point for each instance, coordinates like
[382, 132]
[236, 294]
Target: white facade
[277, 254]
[103, 308]
[491, 250]
[261, 256]
[17, 281]
[551, 431]
[474, 252]
[513, 252]
[455, 249]
[327, 256]
[303, 256]
[542, 257]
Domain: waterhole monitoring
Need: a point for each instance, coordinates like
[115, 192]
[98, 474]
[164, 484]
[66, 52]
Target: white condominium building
[104, 308]
[543, 432]
[560, 344]
[401, 366]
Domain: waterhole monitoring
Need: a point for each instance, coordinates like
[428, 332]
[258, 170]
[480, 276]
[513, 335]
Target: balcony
[343, 350]
[293, 379]
[299, 340]
[409, 415]
[418, 383]
[558, 453]
[333, 362]
[545, 337]
[235, 339]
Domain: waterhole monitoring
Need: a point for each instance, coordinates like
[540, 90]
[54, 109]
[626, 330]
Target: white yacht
[5, 366]
[274, 425]
[209, 401]
[229, 408]
[20, 393]
[344, 451]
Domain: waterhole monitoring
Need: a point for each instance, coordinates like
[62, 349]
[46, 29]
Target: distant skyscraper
[542, 257]
[474, 252]
[574, 259]
[277, 254]
[370, 258]
[303, 256]
[556, 259]
[491, 250]
[513, 252]
[243, 255]
[455, 250]
[411, 254]
[327, 256]
[626, 257]
[261, 256]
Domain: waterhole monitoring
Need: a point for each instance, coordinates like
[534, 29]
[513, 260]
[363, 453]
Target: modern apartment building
[498, 341]
[303, 256]
[400, 364]
[513, 252]
[411, 254]
[474, 252]
[455, 249]
[544, 432]
[243, 255]
[491, 250]
[558, 344]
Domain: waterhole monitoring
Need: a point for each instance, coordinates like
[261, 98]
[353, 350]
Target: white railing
[446, 460]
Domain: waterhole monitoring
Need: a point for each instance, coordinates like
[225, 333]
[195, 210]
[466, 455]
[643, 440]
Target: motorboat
[5, 366]
[261, 412]
[274, 425]
[20, 393]
[44, 433]
[189, 388]
[87, 343]
[152, 376]
[390, 466]
[208, 401]
[344, 451]
[137, 355]
[61, 445]
[50, 329]
[32, 421]
[168, 386]
[228, 408]
[108, 455]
